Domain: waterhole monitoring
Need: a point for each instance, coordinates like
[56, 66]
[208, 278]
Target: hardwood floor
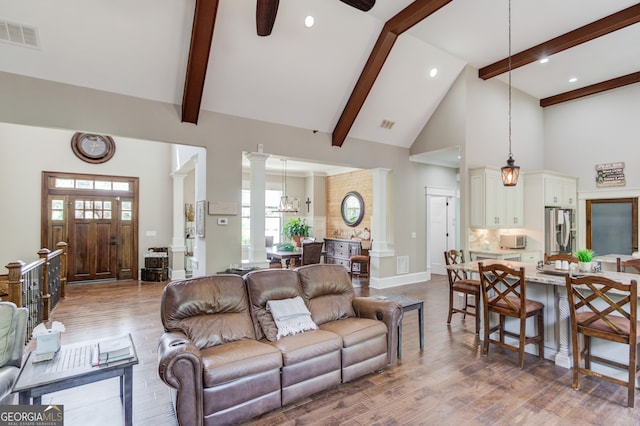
[450, 382]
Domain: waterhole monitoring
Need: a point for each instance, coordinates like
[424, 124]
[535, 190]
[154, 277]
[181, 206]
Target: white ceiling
[303, 77]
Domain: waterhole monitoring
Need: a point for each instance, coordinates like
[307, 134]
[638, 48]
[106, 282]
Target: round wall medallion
[93, 148]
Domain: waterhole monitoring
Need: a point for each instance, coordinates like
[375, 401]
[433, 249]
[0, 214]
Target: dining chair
[311, 252]
[363, 260]
[632, 264]
[504, 292]
[605, 309]
[459, 282]
[550, 258]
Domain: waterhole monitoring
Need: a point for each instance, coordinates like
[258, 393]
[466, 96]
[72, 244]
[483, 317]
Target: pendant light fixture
[286, 205]
[510, 172]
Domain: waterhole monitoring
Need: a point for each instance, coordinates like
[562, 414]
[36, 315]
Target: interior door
[442, 230]
[93, 238]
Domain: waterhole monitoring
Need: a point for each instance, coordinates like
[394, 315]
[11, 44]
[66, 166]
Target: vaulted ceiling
[355, 73]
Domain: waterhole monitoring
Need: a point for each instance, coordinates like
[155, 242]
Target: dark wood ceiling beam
[599, 28]
[266, 11]
[614, 83]
[364, 5]
[204, 19]
[405, 19]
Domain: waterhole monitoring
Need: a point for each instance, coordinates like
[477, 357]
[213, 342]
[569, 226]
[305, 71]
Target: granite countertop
[549, 276]
[500, 251]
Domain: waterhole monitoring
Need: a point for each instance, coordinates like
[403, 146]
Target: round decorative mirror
[352, 208]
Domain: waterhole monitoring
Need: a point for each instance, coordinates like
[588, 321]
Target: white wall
[602, 128]
[28, 151]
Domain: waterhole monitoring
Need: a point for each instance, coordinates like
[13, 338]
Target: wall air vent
[387, 124]
[14, 33]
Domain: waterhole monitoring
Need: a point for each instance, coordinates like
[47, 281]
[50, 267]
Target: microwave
[513, 241]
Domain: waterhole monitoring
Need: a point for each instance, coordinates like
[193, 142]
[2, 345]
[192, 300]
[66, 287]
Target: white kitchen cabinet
[515, 255]
[560, 192]
[494, 205]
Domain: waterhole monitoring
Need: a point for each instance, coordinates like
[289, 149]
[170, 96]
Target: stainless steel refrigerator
[559, 230]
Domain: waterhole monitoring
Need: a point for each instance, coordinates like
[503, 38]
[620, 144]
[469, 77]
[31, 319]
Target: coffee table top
[405, 301]
[73, 360]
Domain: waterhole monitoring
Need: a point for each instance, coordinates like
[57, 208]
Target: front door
[97, 217]
[92, 238]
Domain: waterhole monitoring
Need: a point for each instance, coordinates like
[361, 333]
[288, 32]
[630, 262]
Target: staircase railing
[39, 285]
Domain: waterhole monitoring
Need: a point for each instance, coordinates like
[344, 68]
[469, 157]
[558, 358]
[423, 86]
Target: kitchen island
[548, 286]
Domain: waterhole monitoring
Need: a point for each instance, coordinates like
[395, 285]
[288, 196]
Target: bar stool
[459, 282]
[504, 292]
[632, 264]
[363, 260]
[605, 309]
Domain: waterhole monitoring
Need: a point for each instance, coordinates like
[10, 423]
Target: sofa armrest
[180, 366]
[387, 311]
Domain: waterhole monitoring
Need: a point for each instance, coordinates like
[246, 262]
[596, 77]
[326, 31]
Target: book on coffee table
[111, 350]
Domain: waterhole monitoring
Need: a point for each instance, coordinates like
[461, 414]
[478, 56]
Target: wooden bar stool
[631, 265]
[504, 292]
[605, 309]
[363, 260]
[459, 282]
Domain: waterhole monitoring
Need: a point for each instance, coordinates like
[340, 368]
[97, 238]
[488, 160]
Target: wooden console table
[71, 367]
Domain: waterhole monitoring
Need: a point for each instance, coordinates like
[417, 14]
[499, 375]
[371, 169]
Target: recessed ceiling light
[433, 72]
[573, 79]
[544, 60]
[309, 21]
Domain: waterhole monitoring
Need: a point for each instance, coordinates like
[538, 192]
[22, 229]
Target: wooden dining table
[287, 255]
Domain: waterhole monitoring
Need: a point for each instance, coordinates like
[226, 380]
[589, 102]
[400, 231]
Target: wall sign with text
[610, 174]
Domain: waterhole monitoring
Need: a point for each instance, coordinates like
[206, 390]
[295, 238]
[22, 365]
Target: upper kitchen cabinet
[494, 205]
[560, 192]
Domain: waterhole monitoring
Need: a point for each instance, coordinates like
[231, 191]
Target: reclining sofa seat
[13, 332]
[219, 372]
[333, 305]
[311, 359]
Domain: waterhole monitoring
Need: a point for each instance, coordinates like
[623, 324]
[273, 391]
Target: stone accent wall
[337, 187]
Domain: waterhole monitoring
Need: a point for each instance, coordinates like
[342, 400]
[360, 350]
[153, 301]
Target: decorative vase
[584, 266]
[296, 239]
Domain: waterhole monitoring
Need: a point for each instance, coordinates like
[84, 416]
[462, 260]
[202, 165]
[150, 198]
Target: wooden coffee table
[71, 367]
[408, 304]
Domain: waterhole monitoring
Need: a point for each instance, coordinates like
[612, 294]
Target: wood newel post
[46, 297]
[63, 267]
[15, 282]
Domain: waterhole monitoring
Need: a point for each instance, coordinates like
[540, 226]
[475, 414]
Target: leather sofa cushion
[210, 310]
[7, 331]
[269, 284]
[310, 344]
[329, 291]
[234, 360]
[356, 330]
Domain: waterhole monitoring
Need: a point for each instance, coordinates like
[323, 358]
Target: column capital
[257, 156]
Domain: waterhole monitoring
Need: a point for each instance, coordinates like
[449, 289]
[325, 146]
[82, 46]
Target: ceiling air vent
[23, 35]
[387, 124]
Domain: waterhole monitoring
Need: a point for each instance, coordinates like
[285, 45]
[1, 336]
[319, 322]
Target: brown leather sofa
[220, 357]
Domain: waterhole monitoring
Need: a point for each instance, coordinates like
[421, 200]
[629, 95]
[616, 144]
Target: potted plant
[585, 256]
[296, 228]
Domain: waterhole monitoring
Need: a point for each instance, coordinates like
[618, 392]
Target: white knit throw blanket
[291, 316]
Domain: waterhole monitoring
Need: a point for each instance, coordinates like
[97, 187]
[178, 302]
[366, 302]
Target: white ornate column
[177, 249]
[380, 247]
[563, 358]
[257, 249]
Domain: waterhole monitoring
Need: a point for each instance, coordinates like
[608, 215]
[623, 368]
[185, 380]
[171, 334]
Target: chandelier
[510, 172]
[286, 205]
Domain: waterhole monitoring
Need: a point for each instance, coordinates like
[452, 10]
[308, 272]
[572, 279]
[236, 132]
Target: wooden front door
[97, 217]
[93, 238]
